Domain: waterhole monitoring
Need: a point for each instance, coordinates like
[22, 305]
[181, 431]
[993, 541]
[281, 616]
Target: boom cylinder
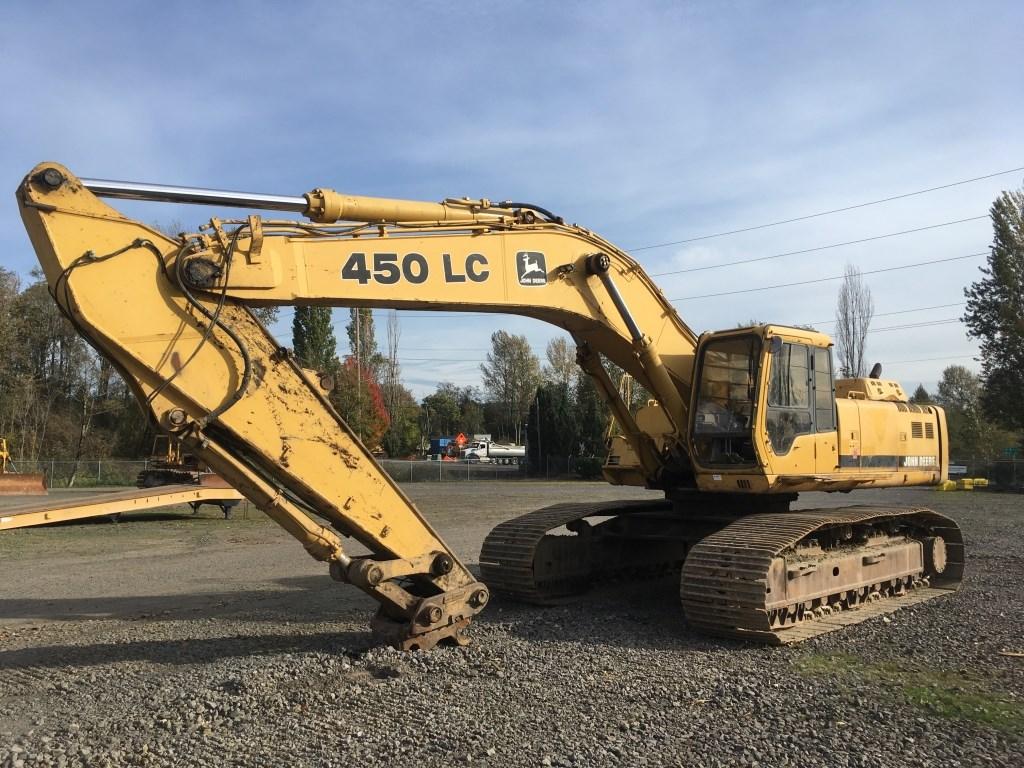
[321, 205]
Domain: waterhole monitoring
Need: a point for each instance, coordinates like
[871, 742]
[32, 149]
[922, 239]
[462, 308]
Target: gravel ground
[171, 640]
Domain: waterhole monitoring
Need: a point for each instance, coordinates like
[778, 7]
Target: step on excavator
[740, 422]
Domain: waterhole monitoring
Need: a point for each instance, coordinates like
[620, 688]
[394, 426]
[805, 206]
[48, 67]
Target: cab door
[789, 418]
[826, 447]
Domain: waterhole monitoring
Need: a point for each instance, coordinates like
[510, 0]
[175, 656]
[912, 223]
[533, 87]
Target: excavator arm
[210, 373]
[172, 315]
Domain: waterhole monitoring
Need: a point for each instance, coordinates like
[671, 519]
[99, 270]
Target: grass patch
[951, 695]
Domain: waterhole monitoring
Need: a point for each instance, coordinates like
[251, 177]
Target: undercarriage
[772, 577]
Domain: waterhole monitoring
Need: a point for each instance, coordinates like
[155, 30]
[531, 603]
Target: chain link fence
[91, 473]
[1003, 474]
[85, 473]
[450, 471]
[62, 473]
[567, 468]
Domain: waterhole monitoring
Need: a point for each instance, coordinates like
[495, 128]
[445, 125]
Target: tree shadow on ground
[299, 599]
[186, 651]
[641, 615]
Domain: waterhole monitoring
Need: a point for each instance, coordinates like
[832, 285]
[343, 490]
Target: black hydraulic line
[530, 206]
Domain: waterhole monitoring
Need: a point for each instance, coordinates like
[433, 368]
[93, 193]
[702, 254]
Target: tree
[971, 435]
[591, 418]
[403, 432]
[401, 437]
[921, 396]
[995, 313]
[551, 428]
[362, 341]
[357, 397]
[561, 367]
[853, 317]
[452, 409]
[511, 375]
[313, 338]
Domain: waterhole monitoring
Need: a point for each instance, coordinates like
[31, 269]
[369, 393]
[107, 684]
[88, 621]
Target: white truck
[487, 451]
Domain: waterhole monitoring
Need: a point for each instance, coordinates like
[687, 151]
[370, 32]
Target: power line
[926, 324]
[900, 312]
[818, 248]
[929, 359]
[829, 279]
[829, 212]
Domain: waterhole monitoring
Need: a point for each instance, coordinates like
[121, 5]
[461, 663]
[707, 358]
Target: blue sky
[647, 122]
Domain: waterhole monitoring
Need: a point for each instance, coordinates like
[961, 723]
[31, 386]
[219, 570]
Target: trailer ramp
[108, 504]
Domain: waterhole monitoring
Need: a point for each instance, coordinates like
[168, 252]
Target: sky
[650, 123]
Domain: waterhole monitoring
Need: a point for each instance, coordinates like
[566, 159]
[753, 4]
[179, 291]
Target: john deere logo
[531, 267]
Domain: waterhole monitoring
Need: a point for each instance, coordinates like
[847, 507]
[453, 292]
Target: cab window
[789, 396]
[824, 391]
[724, 417]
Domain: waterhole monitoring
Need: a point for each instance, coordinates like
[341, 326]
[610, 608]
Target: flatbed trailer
[34, 513]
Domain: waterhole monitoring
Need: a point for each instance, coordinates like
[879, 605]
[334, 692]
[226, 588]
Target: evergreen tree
[971, 434]
[921, 396]
[313, 338]
[995, 313]
[591, 418]
[403, 433]
[551, 425]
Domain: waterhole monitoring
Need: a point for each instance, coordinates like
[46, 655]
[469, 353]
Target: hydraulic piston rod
[165, 193]
[664, 388]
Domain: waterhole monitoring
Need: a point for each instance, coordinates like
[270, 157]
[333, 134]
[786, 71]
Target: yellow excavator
[741, 421]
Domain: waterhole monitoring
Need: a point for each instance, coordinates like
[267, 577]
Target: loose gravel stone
[232, 666]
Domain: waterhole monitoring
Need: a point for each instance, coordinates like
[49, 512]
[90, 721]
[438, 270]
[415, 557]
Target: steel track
[724, 578]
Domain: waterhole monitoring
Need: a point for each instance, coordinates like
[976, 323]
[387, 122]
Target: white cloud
[656, 124]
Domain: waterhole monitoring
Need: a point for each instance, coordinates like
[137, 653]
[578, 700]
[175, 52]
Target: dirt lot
[172, 640]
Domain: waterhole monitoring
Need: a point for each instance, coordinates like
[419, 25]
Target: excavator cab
[763, 409]
[768, 416]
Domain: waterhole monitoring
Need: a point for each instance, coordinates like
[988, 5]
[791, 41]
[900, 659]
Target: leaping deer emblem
[530, 265]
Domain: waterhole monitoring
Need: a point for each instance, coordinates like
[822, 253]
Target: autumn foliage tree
[358, 398]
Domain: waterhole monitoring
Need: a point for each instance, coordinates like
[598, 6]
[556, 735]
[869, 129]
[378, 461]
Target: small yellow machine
[741, 422]
[14, 483]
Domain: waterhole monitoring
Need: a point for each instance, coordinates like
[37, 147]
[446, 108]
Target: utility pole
[359, 376]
